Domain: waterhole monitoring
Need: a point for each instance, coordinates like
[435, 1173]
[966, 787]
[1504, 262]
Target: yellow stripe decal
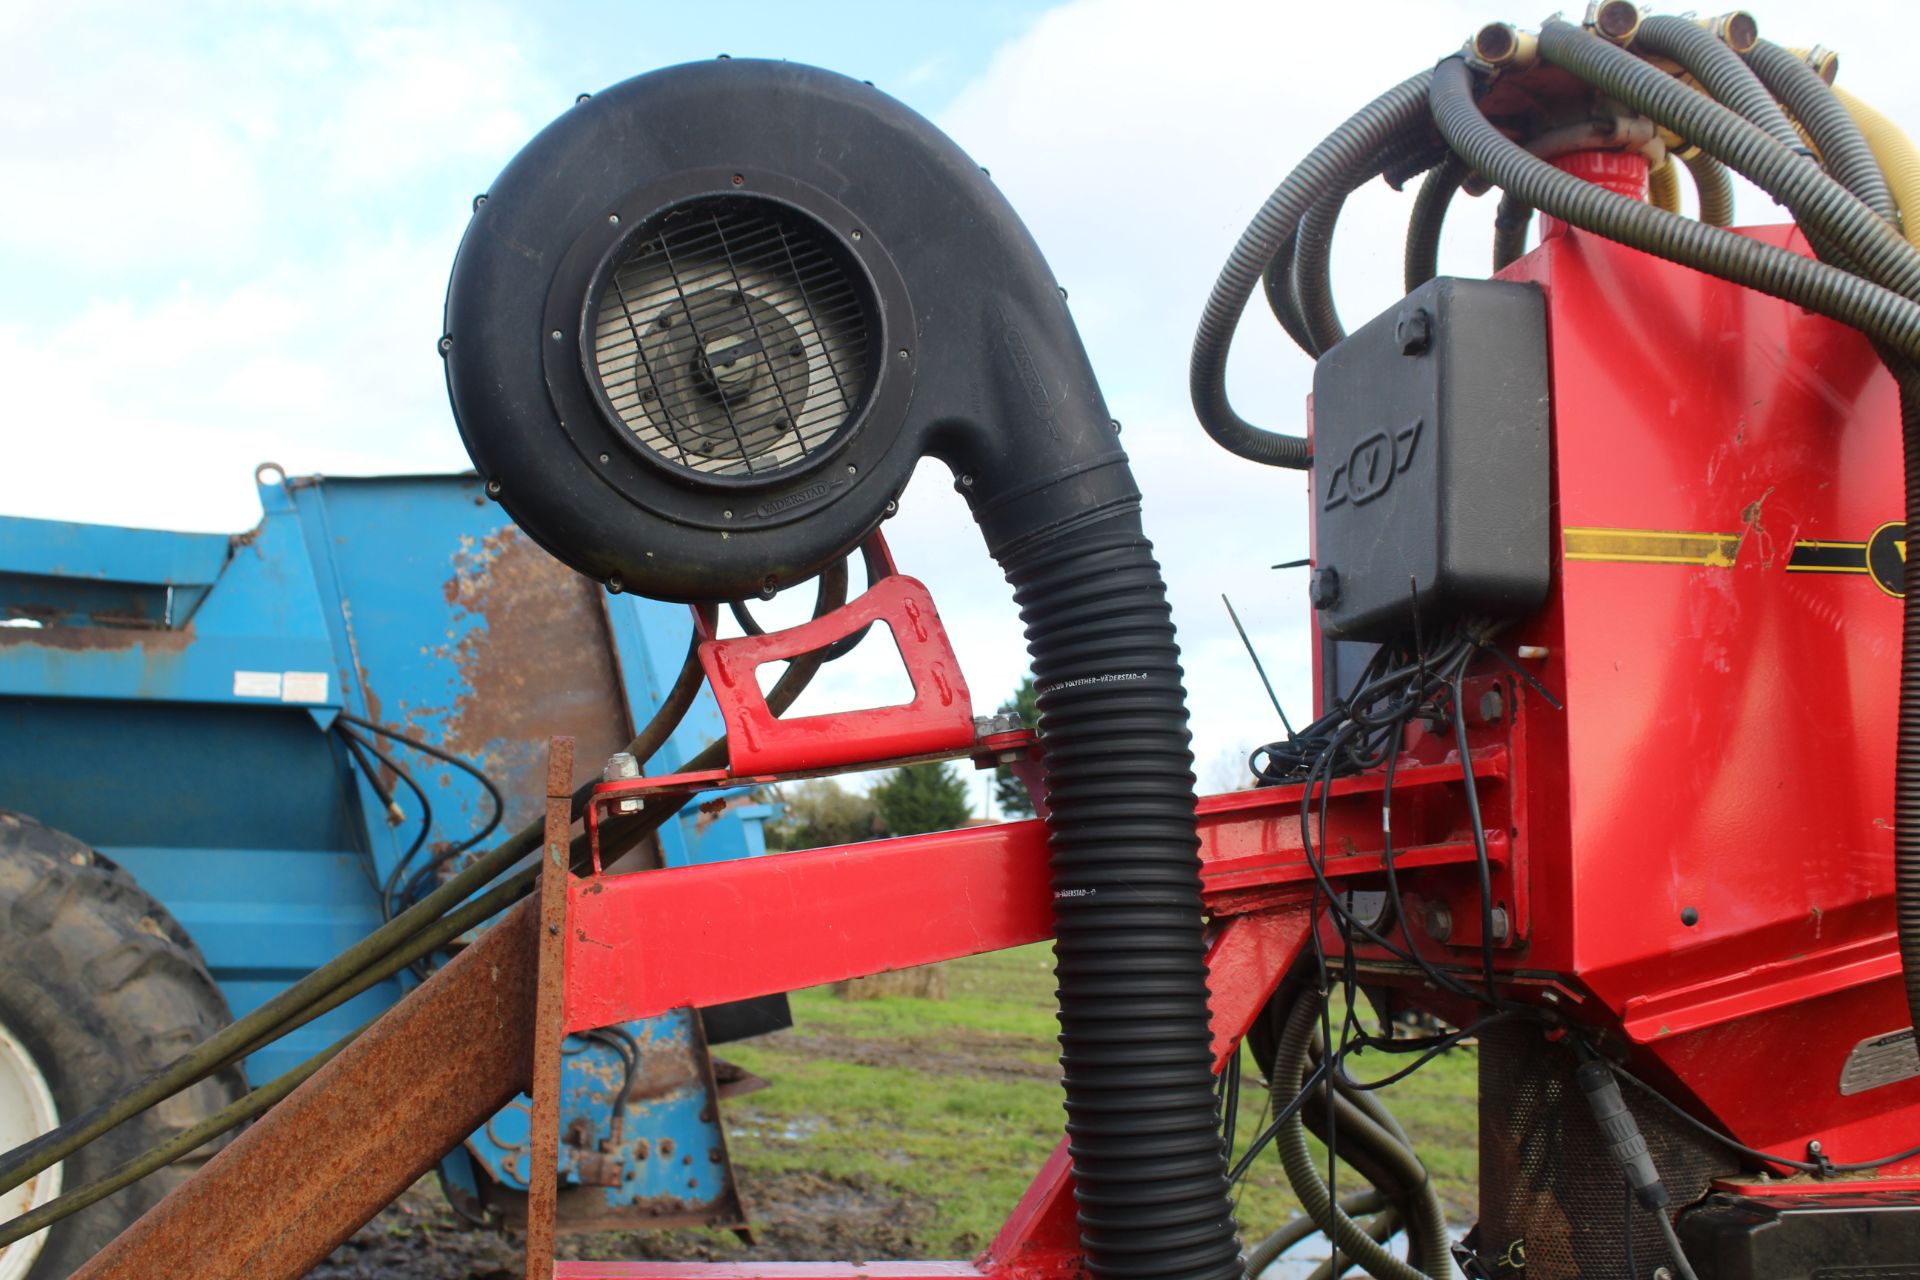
[1652, 546]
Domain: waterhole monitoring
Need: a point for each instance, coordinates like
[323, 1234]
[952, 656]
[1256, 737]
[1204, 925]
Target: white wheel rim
[26, 1112]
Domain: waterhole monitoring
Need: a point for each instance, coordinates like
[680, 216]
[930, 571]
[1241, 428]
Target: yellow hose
[1663, 186]
[1899, 160]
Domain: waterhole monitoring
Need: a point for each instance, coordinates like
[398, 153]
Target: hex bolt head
[620, 764]
[1323, 589]
[1502, 924]
[1437, 921]
[1413, 332]
[1493, 705]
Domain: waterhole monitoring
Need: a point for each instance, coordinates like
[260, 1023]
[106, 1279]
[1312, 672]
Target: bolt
[620, 764]
[855, 234]
[1501, 926]
[493, 488]
[1689, 917]
[892, 506]
[1323, 589]
[1413, 332]
[1492, 705]
[1115, 424]
[603, 457]
[902, 353]
[727, 514]
[615, 586]
[613, 219]
[1663, 1273]
[966, 482]
[556, 335]
[1814, 1148]
[739, 180]
[478, 201]
[852, 470]
[446, 343]
[581, 98]
[552, 929]
[1437, 921]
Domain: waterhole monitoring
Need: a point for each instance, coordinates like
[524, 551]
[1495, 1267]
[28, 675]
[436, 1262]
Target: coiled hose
[1711, 187]
[1427, 1228]
[1393, 114]
[1842, 145]
[1142, 1117]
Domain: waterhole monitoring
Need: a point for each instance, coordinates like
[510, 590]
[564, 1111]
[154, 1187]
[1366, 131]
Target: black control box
[1431, 463]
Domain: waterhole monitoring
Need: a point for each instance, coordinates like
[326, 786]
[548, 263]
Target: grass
[955, 1102]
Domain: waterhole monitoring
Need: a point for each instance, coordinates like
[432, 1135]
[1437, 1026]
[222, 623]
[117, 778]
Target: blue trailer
[214, 777]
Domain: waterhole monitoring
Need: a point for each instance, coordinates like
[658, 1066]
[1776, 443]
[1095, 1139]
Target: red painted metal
[939, 717]
[650, 941]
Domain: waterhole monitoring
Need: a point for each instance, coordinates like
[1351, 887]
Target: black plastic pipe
[1142, 1120]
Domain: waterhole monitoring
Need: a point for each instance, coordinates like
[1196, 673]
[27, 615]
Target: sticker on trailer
[304, 686]
[1880, 1060]
[256, 684]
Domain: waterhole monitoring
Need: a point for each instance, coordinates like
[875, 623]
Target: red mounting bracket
[938, 719]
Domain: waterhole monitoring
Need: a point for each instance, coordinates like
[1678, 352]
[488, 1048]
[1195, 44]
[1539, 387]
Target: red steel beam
[641, 944]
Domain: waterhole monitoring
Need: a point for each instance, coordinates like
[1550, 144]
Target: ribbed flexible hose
[1873, 309]
[1895, 153]
[1142, 1122]
[1422, 261]
[1391, 115]
[1906, 760]
[1289, 1067]
[1355, 1204]
[1712, 188]
[1510, 222]
[1819, 203]
[1663, 186]
[1707, 59]
[1842, 146]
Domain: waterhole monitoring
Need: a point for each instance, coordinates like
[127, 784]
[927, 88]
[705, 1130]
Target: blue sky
[225, 232]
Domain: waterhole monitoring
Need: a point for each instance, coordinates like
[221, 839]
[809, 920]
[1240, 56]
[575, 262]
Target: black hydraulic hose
[1724, 74]
[1394, 114]
[1877, 311]
[1422, 259]
[1384, 1159]
[1510, 223]
[1355, 1204]
[1712, 187]
[1821, 205]
[1311, 276]
[1142, 1118]
[1289, 1068]
[1842, 146]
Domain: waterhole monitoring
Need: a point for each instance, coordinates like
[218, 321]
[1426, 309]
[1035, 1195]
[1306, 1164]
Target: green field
[951, 1104]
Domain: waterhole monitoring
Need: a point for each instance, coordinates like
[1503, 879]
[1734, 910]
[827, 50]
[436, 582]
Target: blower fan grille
[732, 338]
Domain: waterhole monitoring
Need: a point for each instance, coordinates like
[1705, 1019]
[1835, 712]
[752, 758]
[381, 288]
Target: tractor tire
[99, 985]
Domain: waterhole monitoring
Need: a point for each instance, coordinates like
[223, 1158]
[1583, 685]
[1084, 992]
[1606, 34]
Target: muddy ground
[796, 1216]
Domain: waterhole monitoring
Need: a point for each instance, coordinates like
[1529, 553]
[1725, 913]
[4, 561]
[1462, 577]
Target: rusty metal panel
[306, 1175]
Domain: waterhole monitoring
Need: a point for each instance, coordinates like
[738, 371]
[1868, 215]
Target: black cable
[1674, 1251]
[419, 793]
[1734, 1145]
[1268, 1134]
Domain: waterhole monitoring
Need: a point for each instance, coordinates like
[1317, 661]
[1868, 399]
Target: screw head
[556, 335]
[1323, 589]
[1689, 917]
[1413, 332]
[446, 343]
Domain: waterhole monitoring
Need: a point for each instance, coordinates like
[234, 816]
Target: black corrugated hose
[1842, 146]
[1142, 1114]
[1421, 262]
[1707, 58]
[1393, 114]
[1713, 187]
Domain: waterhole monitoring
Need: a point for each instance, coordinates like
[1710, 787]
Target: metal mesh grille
[733, 340]
[1546, 1177]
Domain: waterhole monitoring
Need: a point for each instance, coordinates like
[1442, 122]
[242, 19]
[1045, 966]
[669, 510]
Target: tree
[818, 812]
[922, 797]
[1008, 791]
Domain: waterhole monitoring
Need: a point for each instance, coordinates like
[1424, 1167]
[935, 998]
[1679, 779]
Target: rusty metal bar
[549, 1012]
[341, 1147]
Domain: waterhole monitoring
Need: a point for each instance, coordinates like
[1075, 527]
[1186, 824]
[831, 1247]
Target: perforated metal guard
[733, 339]
[1546, 1177]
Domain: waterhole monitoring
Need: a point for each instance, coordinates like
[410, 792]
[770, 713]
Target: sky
[225, 231]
